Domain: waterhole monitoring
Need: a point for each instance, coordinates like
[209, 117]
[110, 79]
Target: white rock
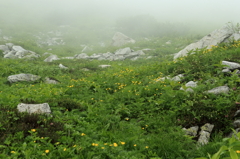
[51, 58]
[22, 77]
[231, 65]
[219, 90]
[62, 66]
[104, 66]
[34, 108]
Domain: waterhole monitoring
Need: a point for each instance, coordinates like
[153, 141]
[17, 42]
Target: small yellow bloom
[134, 145]
[102, 147]
[74, 145]
[46, 151]
[147, 147]
[143, 128]
[42, 137]
[82, 134]
[64, 149]
[115, 144]
[122, 143]
[238, 151]
[33, 130]
[13, 152]
[126, 118]
[93, 144]
[105, 143]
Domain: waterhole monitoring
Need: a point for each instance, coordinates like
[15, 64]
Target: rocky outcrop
[214, 38]
[119, 39]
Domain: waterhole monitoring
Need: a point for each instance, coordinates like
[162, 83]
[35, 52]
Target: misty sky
[184, 11]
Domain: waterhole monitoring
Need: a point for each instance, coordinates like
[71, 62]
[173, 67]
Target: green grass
[121, 111]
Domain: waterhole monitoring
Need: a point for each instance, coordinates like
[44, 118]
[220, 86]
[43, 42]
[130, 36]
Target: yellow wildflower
[82, 134]
[46, 151]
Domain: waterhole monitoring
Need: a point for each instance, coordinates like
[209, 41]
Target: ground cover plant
[122, 111]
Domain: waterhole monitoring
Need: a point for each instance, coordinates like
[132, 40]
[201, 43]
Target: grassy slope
[118, 112]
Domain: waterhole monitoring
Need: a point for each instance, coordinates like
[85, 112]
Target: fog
[195, 14]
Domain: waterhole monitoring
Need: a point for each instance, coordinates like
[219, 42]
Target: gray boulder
[34, 108]
[81, 56]
[219, 90]
[120, 39]
[204, 137]
[226, 70]
[62, 66]
[124, 51]
[205, 134]
[177, 78]
[50, 81]
[23, 77]
[190, 84]
[135, 54]
[231, 65]
[18, 48]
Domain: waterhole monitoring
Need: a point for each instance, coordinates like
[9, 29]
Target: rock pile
[12, 51]
[121, 54]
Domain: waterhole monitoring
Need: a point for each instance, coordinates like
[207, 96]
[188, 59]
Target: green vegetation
[121, 111]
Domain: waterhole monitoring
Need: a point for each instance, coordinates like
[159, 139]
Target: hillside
[126, 110]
